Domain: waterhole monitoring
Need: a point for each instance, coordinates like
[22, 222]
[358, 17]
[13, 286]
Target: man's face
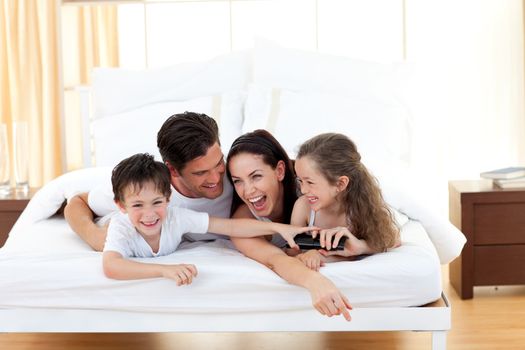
[202, 176]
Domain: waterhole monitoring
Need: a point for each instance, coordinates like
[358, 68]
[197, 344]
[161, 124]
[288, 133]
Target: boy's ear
[173, 171]
[342, 183]
[280, 170]
[120, 206]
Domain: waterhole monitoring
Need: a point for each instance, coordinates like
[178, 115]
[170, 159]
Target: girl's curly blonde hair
[367, 213]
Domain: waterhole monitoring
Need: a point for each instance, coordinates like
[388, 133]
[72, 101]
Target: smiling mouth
[211, 186]
[150, 223]
[312, 200]
[258, 202]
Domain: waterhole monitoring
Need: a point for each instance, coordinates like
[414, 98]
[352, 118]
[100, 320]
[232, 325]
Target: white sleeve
[118, 238]
[100, 200]
[191, 220]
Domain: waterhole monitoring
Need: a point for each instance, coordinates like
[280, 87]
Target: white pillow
[297, 70]
[116, 90]
[50, 197]
[121, 135]
[380, 129]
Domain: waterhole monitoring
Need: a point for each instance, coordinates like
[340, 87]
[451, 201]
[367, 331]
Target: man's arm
[81, 219]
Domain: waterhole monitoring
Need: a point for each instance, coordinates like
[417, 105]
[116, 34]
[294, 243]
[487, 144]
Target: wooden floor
[494, 319]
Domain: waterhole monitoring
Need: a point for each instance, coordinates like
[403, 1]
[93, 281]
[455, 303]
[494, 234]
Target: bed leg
[439, 340]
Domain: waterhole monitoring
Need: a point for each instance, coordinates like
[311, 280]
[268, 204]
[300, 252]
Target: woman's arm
[326, 298]
[116, 267]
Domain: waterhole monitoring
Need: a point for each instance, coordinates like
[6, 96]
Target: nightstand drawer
[499, 223]
[7, 220]
[499, 265]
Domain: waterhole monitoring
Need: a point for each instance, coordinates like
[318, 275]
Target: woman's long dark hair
[261, 142]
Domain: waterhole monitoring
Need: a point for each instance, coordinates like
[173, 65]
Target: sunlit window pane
[371, 29]
[290, 23]
[186, 31]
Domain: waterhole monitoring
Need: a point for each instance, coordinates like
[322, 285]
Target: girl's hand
[329, 238]
[327, 299]
[312, 259]
[181, 273]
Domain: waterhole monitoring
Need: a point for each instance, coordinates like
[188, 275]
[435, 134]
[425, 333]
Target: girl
[341, 197]
[265, 188]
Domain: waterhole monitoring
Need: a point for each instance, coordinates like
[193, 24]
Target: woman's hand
[327, 299]
[181, 273]
[312, 259]
[329, 238]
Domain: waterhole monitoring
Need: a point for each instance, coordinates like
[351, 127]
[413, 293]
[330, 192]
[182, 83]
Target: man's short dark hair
[138, 170]
[186, 136]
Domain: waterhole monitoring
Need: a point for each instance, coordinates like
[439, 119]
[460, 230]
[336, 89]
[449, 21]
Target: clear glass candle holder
[5, 179]
[21, 155]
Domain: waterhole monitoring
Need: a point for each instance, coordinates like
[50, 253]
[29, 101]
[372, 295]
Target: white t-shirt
[123, 237]
[100, 200]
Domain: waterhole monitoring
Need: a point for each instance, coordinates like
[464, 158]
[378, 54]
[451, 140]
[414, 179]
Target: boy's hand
[181, 273]
[288, 232]
[312, 259]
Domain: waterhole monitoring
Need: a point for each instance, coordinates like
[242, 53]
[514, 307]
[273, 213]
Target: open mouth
[211, 187]
[312, 200]
[150, 223]
[258, 202]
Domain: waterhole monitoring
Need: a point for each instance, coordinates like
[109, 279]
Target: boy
[189, 145]
[147, 227]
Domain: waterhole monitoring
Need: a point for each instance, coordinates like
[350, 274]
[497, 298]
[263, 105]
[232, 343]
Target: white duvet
[45, 265]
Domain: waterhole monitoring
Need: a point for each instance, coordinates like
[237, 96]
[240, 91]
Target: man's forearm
[81, 219]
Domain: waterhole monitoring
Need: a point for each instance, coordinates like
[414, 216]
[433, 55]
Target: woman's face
[258, 184]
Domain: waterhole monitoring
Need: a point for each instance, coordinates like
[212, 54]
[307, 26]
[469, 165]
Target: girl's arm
[242, 227]
[116, 267]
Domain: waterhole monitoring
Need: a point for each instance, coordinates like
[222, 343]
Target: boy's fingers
[292, 244]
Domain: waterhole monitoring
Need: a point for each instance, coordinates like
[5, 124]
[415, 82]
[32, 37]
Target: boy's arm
[81, 219]
[116, 267]
[253, 228]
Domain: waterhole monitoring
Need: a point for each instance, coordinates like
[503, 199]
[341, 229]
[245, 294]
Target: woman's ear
[342, 183]
[280, 170]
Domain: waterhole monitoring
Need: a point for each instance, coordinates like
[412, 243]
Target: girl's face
[146, 209]
[258, 184]
[314, 185]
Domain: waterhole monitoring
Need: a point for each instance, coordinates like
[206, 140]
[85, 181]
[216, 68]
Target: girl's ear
[121, 206]
[280, 170]
[342, 183]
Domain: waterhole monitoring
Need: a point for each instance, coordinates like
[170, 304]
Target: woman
[264, 183]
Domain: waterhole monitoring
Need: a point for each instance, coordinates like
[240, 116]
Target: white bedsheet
[47, 266]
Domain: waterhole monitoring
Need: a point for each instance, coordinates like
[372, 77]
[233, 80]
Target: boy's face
[146, 209]
[202, 177]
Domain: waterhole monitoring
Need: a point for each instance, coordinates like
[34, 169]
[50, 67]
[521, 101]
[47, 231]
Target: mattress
[46, 266]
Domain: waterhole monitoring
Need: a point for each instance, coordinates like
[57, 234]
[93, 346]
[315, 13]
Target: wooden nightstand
[493, 221]
[10, 209]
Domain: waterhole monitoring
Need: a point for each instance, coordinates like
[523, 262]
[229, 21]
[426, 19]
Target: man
[189, 146]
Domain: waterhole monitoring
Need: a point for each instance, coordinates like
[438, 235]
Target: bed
[51, 281]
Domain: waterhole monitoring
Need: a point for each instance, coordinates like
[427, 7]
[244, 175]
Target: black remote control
[306, 242]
